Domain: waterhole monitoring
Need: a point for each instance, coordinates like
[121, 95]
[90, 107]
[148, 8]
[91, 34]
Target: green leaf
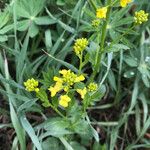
[96, 96]
[131, 61]
[48, 39]
[42, 95]
[44, 20]
[3, 38]
[56, 125]
[112, 80]
[29, 129]
[33, 29]
[28, 9]
[22, 56]
[63, 25]
[60, 2]
[23, 25]
[92, 52]
[76, 146]
[117, 47]
[4, 18]
[18, 128]
[7, 28]
[51, 143]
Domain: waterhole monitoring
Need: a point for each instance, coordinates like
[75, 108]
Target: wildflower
[95, 23]
[80, 78]
[65, 82]
[64, 100]
[124, 3]
[140, 17]
[63, 72]
[32, 85]
[70, 77]
[57, 87]
[82, 92]
[80, 45]
[92, 87]
[101, 12]
[57, 79]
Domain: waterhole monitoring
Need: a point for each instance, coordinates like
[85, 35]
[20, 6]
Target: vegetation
[74, 74]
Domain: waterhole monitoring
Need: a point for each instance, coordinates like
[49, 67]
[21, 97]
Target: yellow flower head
[57, 87]
[95, 23]
[65, 82]
[92, 87]
[140, 17]
[80, 45]
[31, 85]
[82, 92]
[64, 100]
[124, 3]
[57, 79]
[69, 77]
[79, 78]
[63, 72]
[101, 12]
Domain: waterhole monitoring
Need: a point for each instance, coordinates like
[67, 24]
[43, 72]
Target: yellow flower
[63, 72]
[101, 12]
[82, 92]
[124, 3]
[80, 45]
[140, 17]
[95, 23]
[57, 87]
[57, 79]
[69, 77]
[92, 87]
[65, 82]
[31, 85]
[64, 100]
[80, 78]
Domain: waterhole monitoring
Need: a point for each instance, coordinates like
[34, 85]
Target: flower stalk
[100, 51]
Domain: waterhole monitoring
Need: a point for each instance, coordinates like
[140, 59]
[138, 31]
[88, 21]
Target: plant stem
[81, 59]
[118, 94]
[57, 111]
[101, 49]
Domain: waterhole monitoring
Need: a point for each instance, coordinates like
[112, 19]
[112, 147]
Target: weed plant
[74, 74]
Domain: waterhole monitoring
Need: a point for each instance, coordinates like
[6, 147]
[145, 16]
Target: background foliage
[119, 121]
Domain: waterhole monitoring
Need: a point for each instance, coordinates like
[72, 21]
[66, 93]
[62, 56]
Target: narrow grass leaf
[27, 126]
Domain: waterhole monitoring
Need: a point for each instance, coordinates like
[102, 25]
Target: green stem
[118, 94]
[57, 111]
[101, 49]
[81, 61]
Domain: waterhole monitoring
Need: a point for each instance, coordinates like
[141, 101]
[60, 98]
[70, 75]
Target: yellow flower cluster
[64, 100]
[56, 88]
[80, 45]
[92, 87]
[82, 92]
[95, 23]
[124, 3]
[140, 17]
[65, 82]
[32, 85]
[101, 12]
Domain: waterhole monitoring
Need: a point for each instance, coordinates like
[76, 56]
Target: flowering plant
[75, 74]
